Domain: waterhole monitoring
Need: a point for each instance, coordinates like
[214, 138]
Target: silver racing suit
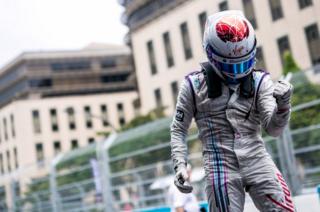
[234, 155]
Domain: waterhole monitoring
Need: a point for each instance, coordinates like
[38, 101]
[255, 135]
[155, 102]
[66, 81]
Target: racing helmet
[230, 44]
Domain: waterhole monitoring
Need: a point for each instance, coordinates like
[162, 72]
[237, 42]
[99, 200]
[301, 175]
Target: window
[71, 66]
[152, 58]
[88, 116]
[260, 59]
[122, 120]
[8, 161]
[40, 83]
[175, 91]
[158, 98]
[108, 63]
[276, 9]
[54, 120]
[0, 132]
[249, 12]
[304, 3]
[186, 40]
[16, 162]
[104, 115]
[56, 147]
[202, 21]
[90, 140]
[136, 106]
[284, 46]
[13, 132]
[39, 153]
[223, 6]
[114, 78]
[313, 39]
[71, 118]
[36, 121]
[74, 144]
[168, 49]
[16, 188]
[5, 128]
[1, 164]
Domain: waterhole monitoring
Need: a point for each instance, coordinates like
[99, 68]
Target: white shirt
[177, 199]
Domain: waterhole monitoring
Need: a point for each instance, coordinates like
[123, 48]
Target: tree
[289, 64]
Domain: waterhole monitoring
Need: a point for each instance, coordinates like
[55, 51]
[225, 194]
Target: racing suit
[234, 156]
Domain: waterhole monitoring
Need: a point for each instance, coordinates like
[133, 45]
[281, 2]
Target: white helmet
[230, 44]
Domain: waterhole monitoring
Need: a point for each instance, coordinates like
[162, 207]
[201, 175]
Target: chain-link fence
[132, 170]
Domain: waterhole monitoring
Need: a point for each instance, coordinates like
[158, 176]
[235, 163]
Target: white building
[166, 38]
[54, 102]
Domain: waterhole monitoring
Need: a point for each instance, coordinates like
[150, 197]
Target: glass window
[0, 133]
[304, 3]
[158, 97]
[13, 131]
[71, 66]
[168, 49]
[175, 91]
[122, 120]
[74, 144]
[91, 140]
[152, 58]
[16, 161]
[36, 121]
[104, 115]
[8, 161]
[1, 164]
[276, 9]
[88, 116]
[5, 128]
[313, 39]
[40, 83]
[223, 6]
[249, 12]
[114, 78]
[283, 45]
[136, 106]
[39, 153]
[54, 120]
[260, 59]
[56, 147]
[202, 21]
[71, 118]
[108, 63]
[186, 40]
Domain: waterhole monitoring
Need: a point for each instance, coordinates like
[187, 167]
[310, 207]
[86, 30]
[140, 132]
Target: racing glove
[180, 180]
[282, 93]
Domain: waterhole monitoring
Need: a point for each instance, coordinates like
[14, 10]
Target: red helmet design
[232, 29]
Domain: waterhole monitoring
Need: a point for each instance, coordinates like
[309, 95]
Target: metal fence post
[13, 196]
[288, 161]
[103, 158]
[53, 184]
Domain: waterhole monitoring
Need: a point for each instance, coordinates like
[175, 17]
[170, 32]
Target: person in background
[181, 202]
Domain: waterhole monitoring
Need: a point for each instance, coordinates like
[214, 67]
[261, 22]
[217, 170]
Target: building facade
[53, 102]
[166, 39]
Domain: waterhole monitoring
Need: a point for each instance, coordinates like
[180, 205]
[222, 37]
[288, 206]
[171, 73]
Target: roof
[92, 50]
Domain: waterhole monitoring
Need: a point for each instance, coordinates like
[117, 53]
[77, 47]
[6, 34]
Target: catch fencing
[132, 170]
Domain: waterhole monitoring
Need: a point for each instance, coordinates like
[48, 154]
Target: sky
[38, 25]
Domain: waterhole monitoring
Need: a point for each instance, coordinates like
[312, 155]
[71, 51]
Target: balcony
[140, 12]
